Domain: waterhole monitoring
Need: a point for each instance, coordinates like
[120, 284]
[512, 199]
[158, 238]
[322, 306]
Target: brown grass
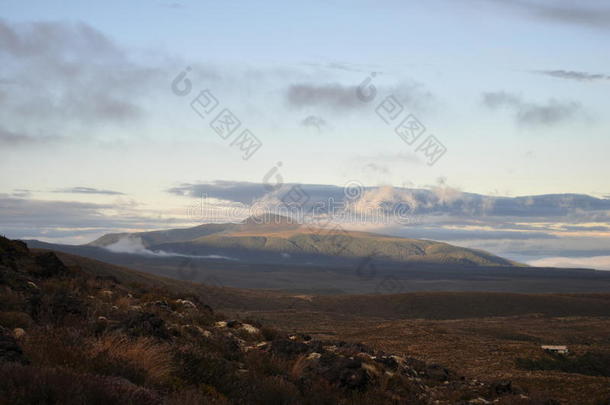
[141, 353]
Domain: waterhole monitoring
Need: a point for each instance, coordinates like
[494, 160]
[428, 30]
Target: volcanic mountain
[273, 238]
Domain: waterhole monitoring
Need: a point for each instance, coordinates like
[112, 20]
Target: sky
[104, 121]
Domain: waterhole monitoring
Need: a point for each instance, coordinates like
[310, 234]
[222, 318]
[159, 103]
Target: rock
[10, 351]
[479, 401]
[387, 361]
[18, 333]
[314, 356]
[186, 304]
[250, 329]
[300, 336]
[233, 324]
[371, 370]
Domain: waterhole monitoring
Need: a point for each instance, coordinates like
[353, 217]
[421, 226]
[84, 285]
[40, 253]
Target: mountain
[274, 238]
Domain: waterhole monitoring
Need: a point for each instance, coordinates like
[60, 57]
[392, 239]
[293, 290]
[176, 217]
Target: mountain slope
[272, 238]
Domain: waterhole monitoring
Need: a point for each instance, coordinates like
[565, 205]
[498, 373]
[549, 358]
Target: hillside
[274, 238]
[74, 331]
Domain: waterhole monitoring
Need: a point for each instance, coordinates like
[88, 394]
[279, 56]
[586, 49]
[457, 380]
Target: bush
[15, 320]
[25, 385]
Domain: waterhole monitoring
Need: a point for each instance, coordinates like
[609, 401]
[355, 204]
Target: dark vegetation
[589, 363]
[72, 335]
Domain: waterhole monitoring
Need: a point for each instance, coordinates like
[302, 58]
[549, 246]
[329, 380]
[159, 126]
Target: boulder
[10, 351]
[18, 333]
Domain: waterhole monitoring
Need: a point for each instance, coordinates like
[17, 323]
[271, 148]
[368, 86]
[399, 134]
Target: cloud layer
[531, 114]
[65, 76]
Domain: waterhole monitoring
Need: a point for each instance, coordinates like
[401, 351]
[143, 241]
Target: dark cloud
[574, 13]
[87, 190]
[573, 75]
[552, 113]
[335, 96]
[313, 121]
[338, 97]
[31, 218]
[238, 191]
[531, 114]
[501, 99]
[10, 138]
[248, 193]
[346, 67]
[593, 14]
[438, 200]
[62, 76]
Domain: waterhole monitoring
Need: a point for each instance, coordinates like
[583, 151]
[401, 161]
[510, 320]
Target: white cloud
[595, 262]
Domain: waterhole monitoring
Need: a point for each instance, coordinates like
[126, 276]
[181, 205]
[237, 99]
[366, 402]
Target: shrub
[196, 367]
[15, 319]
[141, 360]
[25, 385]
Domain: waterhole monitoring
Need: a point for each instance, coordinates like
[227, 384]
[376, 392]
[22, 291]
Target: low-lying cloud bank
[134, 245]
[596, 262]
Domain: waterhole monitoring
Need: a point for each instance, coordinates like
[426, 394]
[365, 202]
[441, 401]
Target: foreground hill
[76, 331]
[274, 238]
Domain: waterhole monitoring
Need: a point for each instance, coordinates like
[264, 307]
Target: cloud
[439, 199]
[552, 113]
[313, 121]
[587, 14]
[335, 96]
[598, 17]
[10, 138]
[32, 218]
[595, 262]
[573, 75]
[134, 245]
[342, 98]
[501, 99]
[20, 193]
[377, 168]
[238, 191]
[531, 114]
[87, 190]
[66, 76]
